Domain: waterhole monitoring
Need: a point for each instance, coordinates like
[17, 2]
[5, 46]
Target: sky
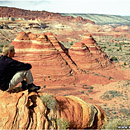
[111, 7]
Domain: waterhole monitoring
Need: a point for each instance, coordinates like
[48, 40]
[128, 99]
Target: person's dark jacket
[8, 68]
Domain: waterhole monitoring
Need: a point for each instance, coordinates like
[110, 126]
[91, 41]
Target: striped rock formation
[43, 111]
[88, 55]
[47, 56]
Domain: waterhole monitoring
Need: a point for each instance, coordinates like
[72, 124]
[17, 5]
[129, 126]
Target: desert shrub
[125, 63]
[110, 78]
[44, 86]
[127, 53]
[82, 91]
[109, 95]
[125, 112]
[116, 123]
[109, 50]
[114, 58]
[62, 123]
[1, 46]
[49, 101]
[90, 87]
[84, 85]
[90, 90]
[96, 74]
[103, 76]
[103, 48]
[127, 83]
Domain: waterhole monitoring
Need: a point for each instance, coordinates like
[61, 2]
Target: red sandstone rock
[44, 52]
[49, 58]
[31, 111]
[43, 15]
[88, 55]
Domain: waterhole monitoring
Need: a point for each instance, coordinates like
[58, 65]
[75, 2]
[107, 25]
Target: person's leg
[19, 77]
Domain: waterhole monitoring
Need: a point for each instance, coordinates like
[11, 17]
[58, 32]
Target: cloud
[24, 0]
[119, 7]
[25, 4]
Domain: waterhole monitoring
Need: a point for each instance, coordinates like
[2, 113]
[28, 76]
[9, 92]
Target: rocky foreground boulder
[25, 110]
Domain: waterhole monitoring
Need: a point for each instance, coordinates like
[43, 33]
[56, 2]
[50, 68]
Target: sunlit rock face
[43, 111]
[44, 52]
[88, 55]
[52, 63]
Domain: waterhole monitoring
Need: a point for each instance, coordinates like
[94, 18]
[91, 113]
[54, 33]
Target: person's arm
[19, 66]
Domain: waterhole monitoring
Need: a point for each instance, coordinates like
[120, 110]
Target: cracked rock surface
[25, 110]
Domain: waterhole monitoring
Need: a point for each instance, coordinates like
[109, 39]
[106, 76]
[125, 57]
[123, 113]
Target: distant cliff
[104, 19]
[42, 15]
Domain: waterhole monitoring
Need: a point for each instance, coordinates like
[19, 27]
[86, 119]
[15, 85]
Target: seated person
[13, 72]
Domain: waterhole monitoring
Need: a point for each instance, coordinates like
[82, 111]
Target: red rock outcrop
[43, 15]
[88, 55]
[51, 61]
[43, 111]
[47, 56]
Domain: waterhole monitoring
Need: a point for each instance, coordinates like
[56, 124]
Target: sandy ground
[108, 88]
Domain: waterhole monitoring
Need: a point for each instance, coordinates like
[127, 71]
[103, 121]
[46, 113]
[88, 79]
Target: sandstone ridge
[41, 15]
[43, 111]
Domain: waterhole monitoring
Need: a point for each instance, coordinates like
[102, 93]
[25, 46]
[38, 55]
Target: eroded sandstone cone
[44, 111]
[45, 53]
[88, 55]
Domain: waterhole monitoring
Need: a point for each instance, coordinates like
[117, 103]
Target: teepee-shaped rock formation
[44, 52]
[88, 55]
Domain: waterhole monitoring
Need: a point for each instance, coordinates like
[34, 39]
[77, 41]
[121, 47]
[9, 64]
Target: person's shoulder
[1, 56]
[6, 58]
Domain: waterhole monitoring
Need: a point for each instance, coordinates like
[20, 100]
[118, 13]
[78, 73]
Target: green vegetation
[84, 85]
[103, 19]
[109, 95]
[127, 83]
[74, 85]
[49, 101]
[114, 58]
[127, 53]
[125, 111]
[125, 63]
[44, 86]
[103, 76]
[82, 92]
[90, 90]
[117, 123]
[90, 87]
[103, 48]
[109, 50]
[110, 78]
[63, 124]
[95, 74]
